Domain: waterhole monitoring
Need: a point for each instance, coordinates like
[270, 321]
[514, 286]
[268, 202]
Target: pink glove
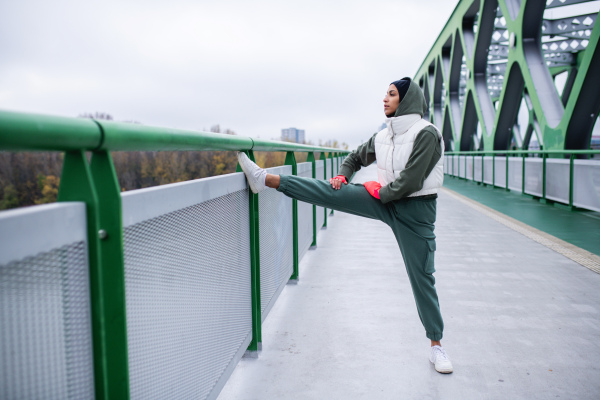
[341, 178]
[373, 188]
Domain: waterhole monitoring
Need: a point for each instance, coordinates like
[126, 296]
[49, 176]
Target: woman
[409, 154]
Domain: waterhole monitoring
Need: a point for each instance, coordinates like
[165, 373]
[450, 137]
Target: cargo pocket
[430, 260]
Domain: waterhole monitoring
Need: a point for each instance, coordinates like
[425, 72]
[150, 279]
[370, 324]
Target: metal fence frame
[95, 183]
[506, 158]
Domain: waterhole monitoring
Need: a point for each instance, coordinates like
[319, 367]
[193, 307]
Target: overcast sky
[251, 66]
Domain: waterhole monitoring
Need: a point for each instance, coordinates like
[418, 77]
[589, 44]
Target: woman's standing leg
[413, 228]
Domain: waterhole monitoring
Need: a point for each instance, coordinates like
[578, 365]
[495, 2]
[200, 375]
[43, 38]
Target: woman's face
[391, 101]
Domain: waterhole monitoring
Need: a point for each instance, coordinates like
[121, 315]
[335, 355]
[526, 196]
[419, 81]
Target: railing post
[544, 177]
[493, 170]
[290, 159]
[523, 176]
[482, 165]
[324, 158]
[506, 173]
[311, 158]
[330, 156]
[81, 181]
[473, 175]
[256, 342]
[571, 176]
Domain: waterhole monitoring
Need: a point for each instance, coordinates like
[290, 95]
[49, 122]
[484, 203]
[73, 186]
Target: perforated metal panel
[187, 279]
[557, 179]
[320, 168]
[488, 170]
[305, 215]
[470, 168]
[455, 165]
[533, 176]
[500, 171]
[45, 325]
[515, 173]
[477, 169]
[586, 184]
[461, 166]
[276, 242]
[328, 168]
[336, 166]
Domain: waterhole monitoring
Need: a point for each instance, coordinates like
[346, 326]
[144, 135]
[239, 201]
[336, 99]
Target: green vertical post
[324, 158]
[544, 177]
[571, 176]
[506, 173]
[482, 182]
[311, 158]
[330, 156]
[523, 176]
[253, 209]
[493, 170]
[89, 183]
[290, 159]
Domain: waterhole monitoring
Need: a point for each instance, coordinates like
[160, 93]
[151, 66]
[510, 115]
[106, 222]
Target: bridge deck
[522, 321]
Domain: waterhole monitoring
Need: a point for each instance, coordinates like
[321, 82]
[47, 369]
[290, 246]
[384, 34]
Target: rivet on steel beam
[102, 234]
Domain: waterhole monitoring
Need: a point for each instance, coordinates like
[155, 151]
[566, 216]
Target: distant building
[292, 135]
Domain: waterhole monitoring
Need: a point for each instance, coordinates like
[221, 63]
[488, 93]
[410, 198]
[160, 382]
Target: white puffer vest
[393, 146]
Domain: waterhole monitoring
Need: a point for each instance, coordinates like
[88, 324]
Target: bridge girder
[497, 59]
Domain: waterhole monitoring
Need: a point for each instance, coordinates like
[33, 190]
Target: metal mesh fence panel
[470, 168]
[276, 243]
[335, 166]
[320, 168]
[187, 279]
[500, 171]
[456, 167]
[461, 166]
[586, 184]
[533, 176]
[305, 215]
[488, 170]
[515, 173]
[477, 169]
[45, 325]
[557, 179]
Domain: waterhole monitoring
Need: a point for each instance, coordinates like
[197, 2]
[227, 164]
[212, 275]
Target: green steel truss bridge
[158, 293]
[496, 59]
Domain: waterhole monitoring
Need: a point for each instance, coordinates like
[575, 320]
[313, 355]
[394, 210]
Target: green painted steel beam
[495, 56]
[82, 182]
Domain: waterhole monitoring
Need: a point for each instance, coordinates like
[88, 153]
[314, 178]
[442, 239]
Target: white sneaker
[256, 175]
[440, 359]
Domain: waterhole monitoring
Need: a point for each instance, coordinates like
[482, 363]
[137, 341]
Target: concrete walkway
[522, 321]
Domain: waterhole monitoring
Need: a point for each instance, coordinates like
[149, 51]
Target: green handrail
[26, 131]
[95, 183]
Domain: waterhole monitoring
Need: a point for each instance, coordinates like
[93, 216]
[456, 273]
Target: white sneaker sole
[254, 185]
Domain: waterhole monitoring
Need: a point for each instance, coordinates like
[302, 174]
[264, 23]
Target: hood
[413, 102]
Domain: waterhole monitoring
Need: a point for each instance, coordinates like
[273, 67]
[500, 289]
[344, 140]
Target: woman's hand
[336, 182]
[373, 188]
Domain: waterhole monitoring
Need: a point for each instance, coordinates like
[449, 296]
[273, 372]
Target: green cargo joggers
[412, 221]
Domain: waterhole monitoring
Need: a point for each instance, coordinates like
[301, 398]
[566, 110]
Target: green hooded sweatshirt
[426, 152]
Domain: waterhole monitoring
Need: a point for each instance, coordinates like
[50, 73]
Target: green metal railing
[95, 183]
[523, 154]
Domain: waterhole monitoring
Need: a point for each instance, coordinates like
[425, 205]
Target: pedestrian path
[522, 321]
